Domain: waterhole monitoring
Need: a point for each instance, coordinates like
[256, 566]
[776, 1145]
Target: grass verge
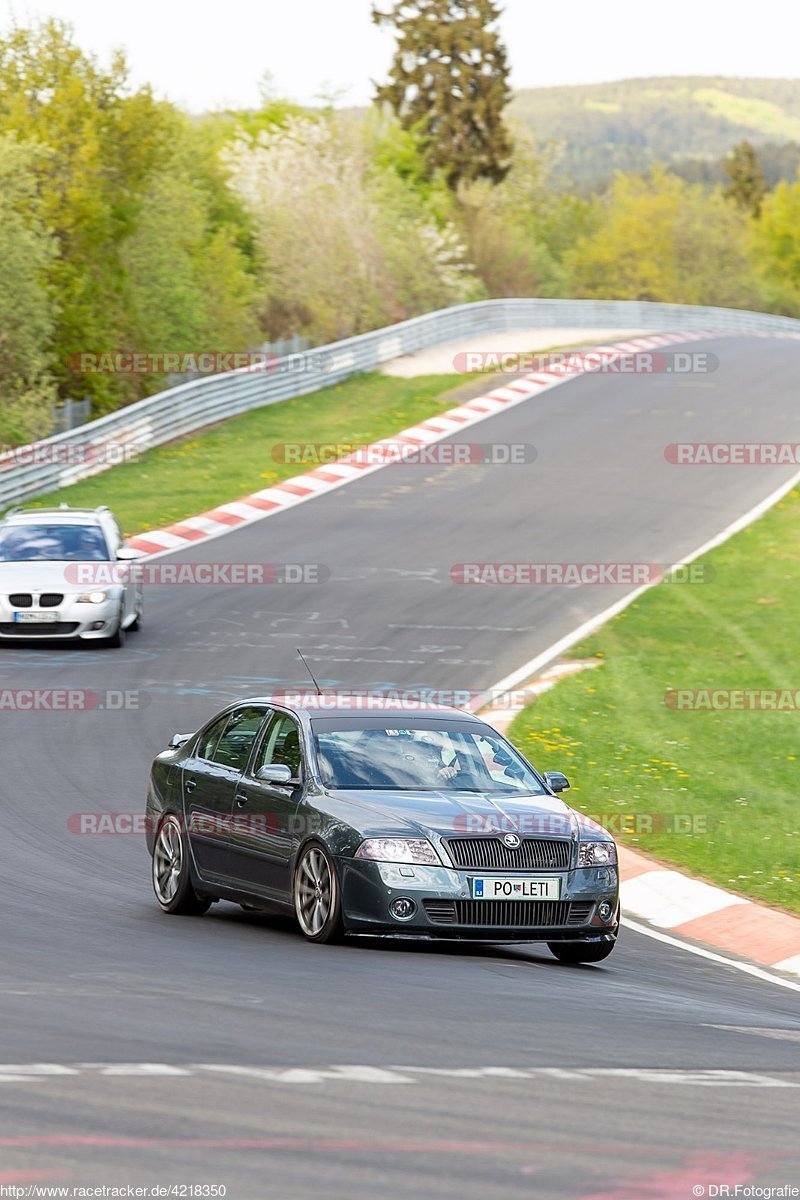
[719, 786]
[236, 457]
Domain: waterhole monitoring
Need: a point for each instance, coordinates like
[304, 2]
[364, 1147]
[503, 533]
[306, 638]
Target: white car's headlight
[400, 850]
[596, 854]
[91, 597]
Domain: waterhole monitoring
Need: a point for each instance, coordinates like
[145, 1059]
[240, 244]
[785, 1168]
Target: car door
[265, 830]
[210, 778]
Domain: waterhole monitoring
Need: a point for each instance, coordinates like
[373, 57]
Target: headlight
[92, 598]
[596, 854]
[400, 850]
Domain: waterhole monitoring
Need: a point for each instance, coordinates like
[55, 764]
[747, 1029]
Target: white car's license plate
[512, 887]
[37, 618]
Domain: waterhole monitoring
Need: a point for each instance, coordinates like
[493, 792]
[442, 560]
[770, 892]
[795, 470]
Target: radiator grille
[509, 914]
[50, 599]
[491, 853]
[20, 600]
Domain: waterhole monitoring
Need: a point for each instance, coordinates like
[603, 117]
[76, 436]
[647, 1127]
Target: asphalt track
[93, 975]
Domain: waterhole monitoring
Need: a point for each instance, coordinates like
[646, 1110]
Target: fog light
[97, 625]
[605, 911]
[402, 909]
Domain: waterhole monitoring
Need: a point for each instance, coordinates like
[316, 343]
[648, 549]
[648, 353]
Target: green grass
[234, 458]
[627, 752]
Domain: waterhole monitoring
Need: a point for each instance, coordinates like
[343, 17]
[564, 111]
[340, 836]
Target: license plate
[511, 887]
[36, 618]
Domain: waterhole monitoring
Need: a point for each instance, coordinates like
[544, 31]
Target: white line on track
[701, 952]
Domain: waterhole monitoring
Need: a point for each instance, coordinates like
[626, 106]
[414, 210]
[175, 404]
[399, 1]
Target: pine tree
[449, 84]
[746, 187]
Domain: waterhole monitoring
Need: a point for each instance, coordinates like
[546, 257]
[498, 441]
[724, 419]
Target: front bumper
[86, 622]
[444, 908]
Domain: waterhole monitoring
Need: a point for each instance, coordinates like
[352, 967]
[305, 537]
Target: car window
[209, 739]
[53, 543]
[234, 746]
[429, 758]
[281, 745]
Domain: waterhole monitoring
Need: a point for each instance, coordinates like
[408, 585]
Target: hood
[456, 814]
[44, 577]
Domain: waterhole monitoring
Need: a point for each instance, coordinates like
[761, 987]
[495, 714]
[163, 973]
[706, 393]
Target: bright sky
[207, 55]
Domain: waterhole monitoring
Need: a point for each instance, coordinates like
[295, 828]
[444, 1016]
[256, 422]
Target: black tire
[314, 876]
[171, 874]
[581, 952]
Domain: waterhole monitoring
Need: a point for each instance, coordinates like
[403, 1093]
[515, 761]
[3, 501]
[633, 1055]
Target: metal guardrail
[58, 461]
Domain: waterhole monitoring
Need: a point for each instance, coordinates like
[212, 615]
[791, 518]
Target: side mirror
[556, 781]
[128, 554]
[274, 773]
[178, 739]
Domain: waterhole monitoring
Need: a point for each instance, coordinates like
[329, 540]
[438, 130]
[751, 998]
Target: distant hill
[629, 124]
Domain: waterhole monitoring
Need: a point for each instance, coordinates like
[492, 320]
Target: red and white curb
[690, 908]
[669, 900]
[299, 488]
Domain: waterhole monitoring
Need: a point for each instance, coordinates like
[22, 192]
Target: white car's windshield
[53, 543]
[399, 757]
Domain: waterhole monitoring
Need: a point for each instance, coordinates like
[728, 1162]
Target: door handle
[241, 799]
[190, 785]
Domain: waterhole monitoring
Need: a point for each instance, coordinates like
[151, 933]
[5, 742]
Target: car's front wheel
[581, 952]
[317, 902]
[172, 881]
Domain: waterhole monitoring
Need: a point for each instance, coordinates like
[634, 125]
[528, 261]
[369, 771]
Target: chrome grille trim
[489, 853]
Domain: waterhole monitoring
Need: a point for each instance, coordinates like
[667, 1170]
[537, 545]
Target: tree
[103, 142]
[776, 240]
[27, 311]
[659, 238]
[449, 84]
[746, 188]
[347, 242]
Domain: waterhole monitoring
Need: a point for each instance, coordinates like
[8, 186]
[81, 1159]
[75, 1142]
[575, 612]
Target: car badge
[511, 840]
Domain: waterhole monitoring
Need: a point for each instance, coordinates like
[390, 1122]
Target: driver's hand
[449, 772]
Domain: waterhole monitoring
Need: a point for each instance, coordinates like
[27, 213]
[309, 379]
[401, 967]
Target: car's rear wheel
[172, 881]
[317, 902]
[581, 952]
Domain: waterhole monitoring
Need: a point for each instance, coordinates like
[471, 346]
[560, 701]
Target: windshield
[53, 543]
[422, 759]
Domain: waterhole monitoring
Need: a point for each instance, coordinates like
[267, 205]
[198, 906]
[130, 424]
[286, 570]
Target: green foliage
[347, 241]
[517, 231]
[449, 84]
[776, 240]
[659, 238]
[27, 310]
[121, 172]
[746, 187]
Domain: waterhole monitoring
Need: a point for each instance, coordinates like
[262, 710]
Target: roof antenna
[308, 668]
